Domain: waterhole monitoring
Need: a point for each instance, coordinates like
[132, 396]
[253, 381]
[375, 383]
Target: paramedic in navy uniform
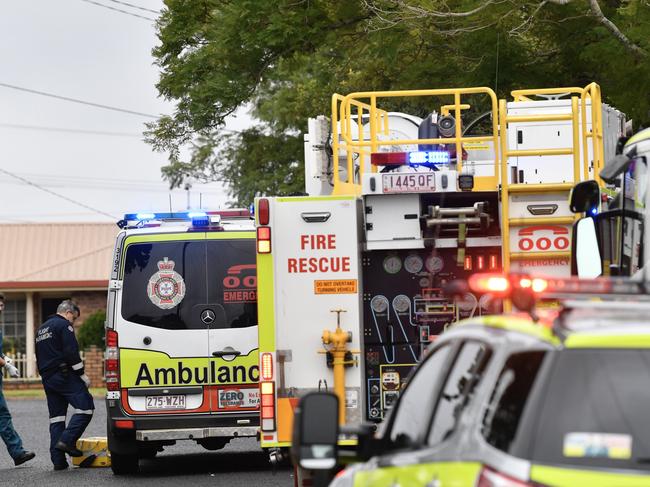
[64, 381]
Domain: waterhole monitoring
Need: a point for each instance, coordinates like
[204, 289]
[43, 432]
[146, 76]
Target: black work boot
[70, 450]
[25, 456]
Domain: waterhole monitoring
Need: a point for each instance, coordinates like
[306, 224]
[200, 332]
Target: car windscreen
[170, 284]
[594, 410]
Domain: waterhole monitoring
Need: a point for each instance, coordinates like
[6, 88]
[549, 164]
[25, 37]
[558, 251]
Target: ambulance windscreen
[179, 285]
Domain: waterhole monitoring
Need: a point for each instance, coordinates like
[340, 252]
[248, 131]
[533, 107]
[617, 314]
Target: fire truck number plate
[165, 402]
[409, 182]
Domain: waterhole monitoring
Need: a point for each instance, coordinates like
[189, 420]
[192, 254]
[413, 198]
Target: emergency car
[516, 400]
[181, 333]
[398, 205]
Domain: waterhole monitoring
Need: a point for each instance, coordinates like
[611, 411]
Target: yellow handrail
[592, 93]
[524, 95]
[368, 140]
[574, 150]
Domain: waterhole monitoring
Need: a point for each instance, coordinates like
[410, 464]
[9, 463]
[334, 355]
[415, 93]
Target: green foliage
[286, 58]
[92, 331]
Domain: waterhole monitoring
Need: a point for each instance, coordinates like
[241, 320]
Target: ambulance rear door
[163, 343]
[232, 339]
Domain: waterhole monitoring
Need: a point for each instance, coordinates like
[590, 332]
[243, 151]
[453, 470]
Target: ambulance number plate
[409, 182]
[176, 401]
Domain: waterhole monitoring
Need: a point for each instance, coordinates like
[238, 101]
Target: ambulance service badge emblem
[166, 288]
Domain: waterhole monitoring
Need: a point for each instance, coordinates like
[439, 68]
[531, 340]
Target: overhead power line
[68, 130]
[136, 6]
[119, 10]
[75, 100]
[70, 200]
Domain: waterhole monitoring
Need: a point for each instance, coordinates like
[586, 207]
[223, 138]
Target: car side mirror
[585, 197]
[617, 166]
[586, 250]
[316, 431]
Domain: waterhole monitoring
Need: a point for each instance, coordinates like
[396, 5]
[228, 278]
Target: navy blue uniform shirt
[56, 345]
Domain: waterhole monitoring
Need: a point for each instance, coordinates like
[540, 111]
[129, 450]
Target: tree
[91, 331]
[286, 58]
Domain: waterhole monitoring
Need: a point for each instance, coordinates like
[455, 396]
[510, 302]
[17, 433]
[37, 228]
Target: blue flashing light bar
[428, 157]
[199, 218]
[209, 216]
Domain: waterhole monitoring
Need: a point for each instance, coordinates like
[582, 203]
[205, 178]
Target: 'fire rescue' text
[318, 264]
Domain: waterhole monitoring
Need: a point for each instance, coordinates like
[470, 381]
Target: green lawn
[40, 393]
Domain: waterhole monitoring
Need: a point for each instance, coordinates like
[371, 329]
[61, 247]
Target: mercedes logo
[207, 316]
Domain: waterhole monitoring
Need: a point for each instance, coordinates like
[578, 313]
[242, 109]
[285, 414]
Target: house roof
[56, 255]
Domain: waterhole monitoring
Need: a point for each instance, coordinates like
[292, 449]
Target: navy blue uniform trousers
[62, 390]
[7, 431]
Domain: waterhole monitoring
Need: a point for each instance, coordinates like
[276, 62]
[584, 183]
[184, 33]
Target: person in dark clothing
[64, 381]
[7, 431]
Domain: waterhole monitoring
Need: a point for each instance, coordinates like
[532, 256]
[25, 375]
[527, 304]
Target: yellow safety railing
[592, 93]
[359, 111]
[580, 97]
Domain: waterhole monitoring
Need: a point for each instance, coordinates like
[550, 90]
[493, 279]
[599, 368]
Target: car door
[163, 342]
[232, 332]
[420, 432]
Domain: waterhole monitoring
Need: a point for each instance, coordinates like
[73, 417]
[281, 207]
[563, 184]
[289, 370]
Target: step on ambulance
[181, 334]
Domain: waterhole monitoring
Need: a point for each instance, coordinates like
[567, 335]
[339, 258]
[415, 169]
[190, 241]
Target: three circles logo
[240, 284]
[543, 237]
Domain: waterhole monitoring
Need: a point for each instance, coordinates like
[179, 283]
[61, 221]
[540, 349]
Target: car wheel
[124, 464]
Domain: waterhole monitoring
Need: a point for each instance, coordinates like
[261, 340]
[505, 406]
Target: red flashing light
[243, 212]
[388, 158]
[263, 211]
[480, 262]
[494, 262]
[468, 263]
[489, 283]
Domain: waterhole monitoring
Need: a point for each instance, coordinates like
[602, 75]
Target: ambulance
[181, 333]
[398, 205]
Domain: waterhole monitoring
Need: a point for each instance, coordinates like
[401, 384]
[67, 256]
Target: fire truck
[396, 205]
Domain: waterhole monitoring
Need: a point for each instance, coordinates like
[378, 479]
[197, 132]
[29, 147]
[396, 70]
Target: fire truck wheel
[124, 464]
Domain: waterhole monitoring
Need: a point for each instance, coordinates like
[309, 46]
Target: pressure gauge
[468, 302]
[379, 304]
[413, 264]
[401, 303]
[485, 301]
[425, 282]
[434, 264]
[392, 264]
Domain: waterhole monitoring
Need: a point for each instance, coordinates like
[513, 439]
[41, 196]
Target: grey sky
[76, 49]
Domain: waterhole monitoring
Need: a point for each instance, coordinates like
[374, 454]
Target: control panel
[404, 310]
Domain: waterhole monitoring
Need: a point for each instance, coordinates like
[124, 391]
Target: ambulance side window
[163, 281]
[232, 281]
[413, 410]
